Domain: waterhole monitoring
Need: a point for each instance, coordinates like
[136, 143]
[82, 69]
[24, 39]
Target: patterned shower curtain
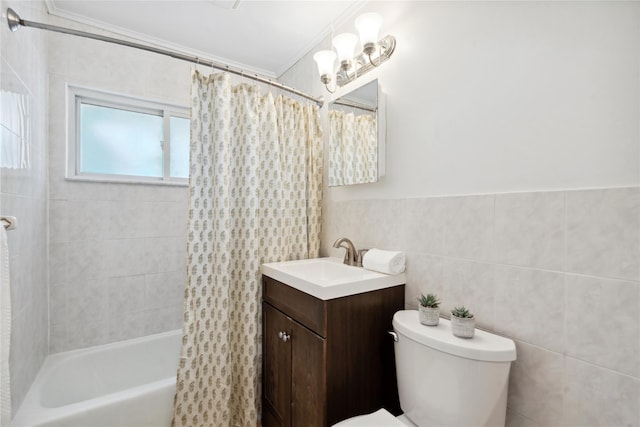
[255, 194]
[353, 148]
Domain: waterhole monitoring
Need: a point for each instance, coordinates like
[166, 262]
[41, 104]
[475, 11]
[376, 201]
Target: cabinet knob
[284, 336]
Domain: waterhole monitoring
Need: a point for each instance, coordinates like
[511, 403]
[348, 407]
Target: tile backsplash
[558, 272]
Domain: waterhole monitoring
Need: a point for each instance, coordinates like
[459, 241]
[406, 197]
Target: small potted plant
[463, 324]
[429, 309]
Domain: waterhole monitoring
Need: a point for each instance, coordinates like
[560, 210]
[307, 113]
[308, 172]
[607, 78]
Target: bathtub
[125, 384]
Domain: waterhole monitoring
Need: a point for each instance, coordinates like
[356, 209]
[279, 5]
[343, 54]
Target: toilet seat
[380, 418]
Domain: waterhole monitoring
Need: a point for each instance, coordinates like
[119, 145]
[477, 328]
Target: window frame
[78, 95]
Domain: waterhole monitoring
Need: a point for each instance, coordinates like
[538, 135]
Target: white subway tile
[530, 306]
[469, 229]
[603, 232]
[530, 230]
[603, 322]
[536, 385]
[599, 397]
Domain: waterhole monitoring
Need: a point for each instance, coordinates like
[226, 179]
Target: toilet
[444, 380]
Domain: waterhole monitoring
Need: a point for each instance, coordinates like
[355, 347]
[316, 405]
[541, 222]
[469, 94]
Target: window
[118, 138]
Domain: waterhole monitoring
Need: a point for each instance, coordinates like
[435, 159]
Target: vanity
[327, 355]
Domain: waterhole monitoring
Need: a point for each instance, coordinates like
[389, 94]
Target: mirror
[356, 136]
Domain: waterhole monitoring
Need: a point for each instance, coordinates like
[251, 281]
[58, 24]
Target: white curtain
[353, 148]
[255, 186]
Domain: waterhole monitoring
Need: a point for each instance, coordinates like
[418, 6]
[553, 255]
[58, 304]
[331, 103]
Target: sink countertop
[328, 278]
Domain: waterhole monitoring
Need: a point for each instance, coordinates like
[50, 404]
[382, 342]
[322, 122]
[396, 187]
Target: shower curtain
[353, 148]
[255, 194]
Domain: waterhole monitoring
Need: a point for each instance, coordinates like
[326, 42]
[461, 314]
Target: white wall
[487, 97]
[540, 101]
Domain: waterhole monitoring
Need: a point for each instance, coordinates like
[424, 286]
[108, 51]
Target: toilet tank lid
[483, 346]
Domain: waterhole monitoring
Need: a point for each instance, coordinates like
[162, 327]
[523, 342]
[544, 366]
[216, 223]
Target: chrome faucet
[351, 255]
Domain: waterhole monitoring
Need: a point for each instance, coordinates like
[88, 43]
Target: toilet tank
[444, 380]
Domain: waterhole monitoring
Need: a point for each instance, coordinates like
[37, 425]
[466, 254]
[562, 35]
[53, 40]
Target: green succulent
[461, 312]
[431, 300]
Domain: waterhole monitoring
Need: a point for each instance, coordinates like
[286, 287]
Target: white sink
[328, 278]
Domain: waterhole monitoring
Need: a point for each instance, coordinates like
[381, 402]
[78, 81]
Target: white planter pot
[463, 327]
[429, 316]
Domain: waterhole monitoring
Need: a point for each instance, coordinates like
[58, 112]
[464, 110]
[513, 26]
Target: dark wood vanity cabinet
[326, 361]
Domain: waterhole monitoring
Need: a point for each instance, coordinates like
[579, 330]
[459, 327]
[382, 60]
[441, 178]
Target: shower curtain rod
[353, 104]
[15, 22]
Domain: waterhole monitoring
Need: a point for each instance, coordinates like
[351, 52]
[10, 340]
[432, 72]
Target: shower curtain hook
[271, 88]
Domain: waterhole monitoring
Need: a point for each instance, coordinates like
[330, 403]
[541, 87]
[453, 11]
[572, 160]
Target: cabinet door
[277, 368]
[308, 374]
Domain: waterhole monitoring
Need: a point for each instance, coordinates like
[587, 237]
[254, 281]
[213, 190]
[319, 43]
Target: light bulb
[325, 60]
[345, 44]
[368, 26]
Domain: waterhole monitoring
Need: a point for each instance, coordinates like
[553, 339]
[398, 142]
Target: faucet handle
[360, 257]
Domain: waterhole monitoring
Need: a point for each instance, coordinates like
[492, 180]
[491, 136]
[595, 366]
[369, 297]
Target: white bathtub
[125, 384]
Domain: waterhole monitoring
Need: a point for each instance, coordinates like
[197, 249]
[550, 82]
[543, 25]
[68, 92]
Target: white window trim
[78, 94]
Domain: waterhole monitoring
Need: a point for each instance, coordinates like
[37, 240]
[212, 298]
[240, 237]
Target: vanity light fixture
[374, 52]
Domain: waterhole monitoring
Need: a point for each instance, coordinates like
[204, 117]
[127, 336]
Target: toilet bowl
[444, 380]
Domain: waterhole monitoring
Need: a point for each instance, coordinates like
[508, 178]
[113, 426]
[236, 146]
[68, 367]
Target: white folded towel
[388, 262]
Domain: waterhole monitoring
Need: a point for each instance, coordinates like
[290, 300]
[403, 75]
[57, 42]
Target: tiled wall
[117, 256]
[117, 251]
[558, 272]
[23, 194]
